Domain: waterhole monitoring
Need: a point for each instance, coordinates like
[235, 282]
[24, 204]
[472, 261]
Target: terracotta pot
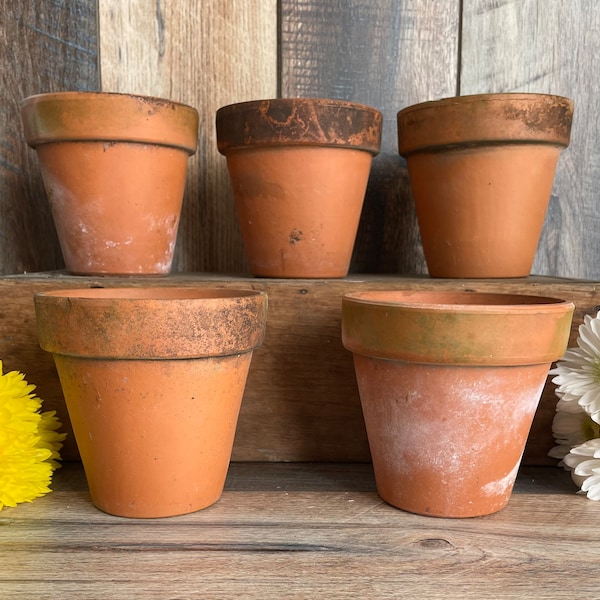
[153, 379]
[449, 384]
[299, 169]
[481, 170]
[114, 167]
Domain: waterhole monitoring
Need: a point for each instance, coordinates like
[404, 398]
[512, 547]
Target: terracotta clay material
[481, 170]
[449, 384]
[153, 380]
[114, 167]
[299, 168]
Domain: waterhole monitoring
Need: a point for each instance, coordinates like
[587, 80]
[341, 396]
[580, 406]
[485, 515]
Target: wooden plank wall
[206, 53]
[548, 46]
[387, 53]
[45, 46]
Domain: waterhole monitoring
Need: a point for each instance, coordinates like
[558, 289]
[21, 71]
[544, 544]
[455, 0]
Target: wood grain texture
[205, 53]
[301, 400]
[386, 54]
[45, 46]
[547, 46]
[304, 540]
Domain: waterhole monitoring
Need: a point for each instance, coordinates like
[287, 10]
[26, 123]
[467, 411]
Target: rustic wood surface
[303, 531]
[45, 46]
[301, 401]
[206, 53]
[547, 46]
[386, 54]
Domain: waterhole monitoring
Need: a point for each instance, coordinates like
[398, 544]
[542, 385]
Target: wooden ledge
[301, 401]
[303, 531]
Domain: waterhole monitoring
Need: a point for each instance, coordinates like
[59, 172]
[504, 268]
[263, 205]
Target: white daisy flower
[571, 426]
[584, 463]
[578, 372]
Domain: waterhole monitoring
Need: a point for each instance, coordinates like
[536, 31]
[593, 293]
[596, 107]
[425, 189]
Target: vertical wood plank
[548, 46]
[388, 54]
[45, 46]
[206, 53]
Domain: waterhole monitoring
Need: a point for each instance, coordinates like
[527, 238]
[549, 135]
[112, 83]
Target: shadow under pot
[114, 167]
[449, 383]
[481, 170]
[153, 380]
[299, 169]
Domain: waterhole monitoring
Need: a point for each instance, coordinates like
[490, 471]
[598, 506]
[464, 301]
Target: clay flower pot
[114, 167]
[299, 169]
[153, 379]
[481, 170]
[449, 384]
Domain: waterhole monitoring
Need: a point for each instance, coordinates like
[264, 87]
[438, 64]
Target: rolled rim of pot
[298, 122]
[151, 322]
[485, 119]
[460, 328]
[109, 117]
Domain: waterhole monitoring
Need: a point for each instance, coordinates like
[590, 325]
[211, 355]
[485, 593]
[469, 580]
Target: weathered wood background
[386, 53]
[208, 53]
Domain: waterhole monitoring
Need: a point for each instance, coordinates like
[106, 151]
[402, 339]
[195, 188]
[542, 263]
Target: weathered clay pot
[481, 170]
[299, 169]
[449, 384]
[153, 379]
[114, 167]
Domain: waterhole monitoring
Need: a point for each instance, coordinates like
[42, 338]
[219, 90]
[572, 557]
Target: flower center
[591, 429]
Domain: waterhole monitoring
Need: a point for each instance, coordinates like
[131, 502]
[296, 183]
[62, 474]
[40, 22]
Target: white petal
[586, 468]
[590, 401]
[559, 451]
[592, 486]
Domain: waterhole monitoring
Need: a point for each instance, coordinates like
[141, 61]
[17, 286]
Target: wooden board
[206, 53]
[301, 401]
[547, 46]
[45, 46]
[303, 531]
[386, 54]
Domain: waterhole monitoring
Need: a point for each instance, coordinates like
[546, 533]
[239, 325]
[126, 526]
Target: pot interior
[445, 301]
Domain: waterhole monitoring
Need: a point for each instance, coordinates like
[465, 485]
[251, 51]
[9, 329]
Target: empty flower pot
[449, 384]
[153, 380]
[299, 168]
[481, 170]
[114, 168]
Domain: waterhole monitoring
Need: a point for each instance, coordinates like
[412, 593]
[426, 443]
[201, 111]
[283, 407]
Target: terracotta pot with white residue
[114, 168]
[449, 384]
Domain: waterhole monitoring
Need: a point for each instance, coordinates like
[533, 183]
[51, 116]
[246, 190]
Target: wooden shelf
[303, 531]
[301, 401]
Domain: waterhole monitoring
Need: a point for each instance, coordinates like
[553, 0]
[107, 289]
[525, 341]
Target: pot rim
[298, 122]
[163, 322]
[490, 97]
[457, 329]
[485, 119]
[118, 117]
[490, 302]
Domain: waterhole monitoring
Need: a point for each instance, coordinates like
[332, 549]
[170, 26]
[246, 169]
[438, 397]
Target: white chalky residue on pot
[118, 244]
[440, 443]
[500, 487]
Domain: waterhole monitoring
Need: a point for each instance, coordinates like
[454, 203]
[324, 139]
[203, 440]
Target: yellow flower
[29, 442]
